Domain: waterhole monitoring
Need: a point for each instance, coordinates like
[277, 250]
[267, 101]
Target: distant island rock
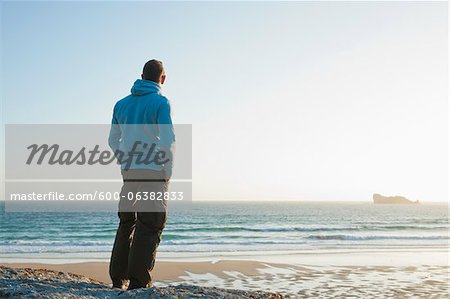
[380, 199]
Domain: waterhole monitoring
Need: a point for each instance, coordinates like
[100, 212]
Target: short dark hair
[153, 70]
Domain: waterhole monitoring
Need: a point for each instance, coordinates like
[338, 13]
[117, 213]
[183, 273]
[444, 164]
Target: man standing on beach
[143, 115]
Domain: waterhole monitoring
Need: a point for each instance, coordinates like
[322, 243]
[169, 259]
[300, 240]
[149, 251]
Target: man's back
[145, 117]
[145, 105]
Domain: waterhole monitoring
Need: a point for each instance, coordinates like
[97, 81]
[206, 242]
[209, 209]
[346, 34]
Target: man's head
[154, 71]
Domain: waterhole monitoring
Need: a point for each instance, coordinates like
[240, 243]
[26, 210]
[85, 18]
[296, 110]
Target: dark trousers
[140, 228]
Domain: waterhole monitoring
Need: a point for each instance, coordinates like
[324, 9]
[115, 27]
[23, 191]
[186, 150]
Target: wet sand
[418, 281]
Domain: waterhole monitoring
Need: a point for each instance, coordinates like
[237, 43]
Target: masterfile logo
[78, 168]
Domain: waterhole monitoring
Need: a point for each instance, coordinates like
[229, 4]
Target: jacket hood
[143, 87]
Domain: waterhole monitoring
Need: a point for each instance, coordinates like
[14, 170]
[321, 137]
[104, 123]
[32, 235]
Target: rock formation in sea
[380, 199]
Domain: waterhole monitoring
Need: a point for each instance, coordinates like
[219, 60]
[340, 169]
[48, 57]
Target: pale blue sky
[329, 101]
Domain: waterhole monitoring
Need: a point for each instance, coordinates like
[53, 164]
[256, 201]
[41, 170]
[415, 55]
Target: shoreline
[434, 255]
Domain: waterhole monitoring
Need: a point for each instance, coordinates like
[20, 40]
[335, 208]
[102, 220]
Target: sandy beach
[346, 276]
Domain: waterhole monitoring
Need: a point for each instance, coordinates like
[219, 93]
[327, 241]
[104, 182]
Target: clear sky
[298, 101]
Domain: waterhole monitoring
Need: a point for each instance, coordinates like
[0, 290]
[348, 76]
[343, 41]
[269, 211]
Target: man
[141, 121]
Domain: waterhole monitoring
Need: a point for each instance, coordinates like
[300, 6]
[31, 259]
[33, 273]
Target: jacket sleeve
[115, 133]
[166, 135]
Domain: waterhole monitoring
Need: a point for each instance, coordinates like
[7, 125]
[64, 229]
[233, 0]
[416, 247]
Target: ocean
[210, 227]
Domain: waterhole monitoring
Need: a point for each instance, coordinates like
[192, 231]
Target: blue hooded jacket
[144, 116]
